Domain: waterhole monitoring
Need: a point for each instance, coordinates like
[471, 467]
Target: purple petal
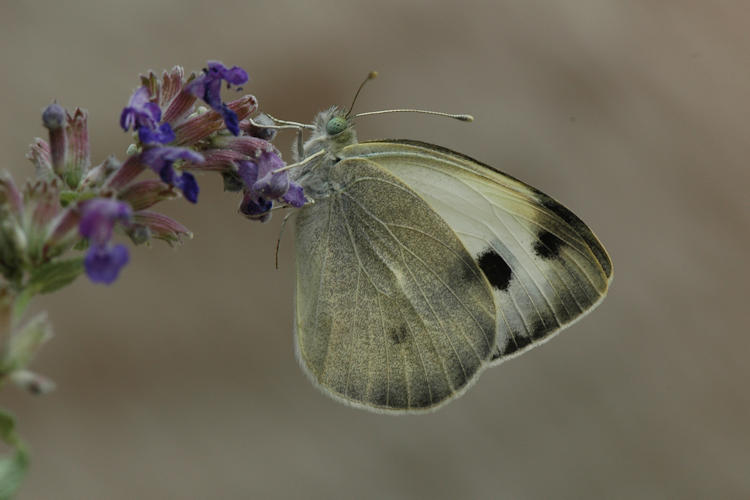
[98, 217]
[127, 118]
[158, 157]
[103, 262]
[212, 94]
[272, 185]
[263, 186]
[208, 88]
[269, 161]
[168, 175]
[253, 207]
[140, 112]
[230, 119]
[162, 135]
[235, 75]
[295, 196]
[197, 87]
[139, 98]
[189, 186]
[153, 111]
[248, 171]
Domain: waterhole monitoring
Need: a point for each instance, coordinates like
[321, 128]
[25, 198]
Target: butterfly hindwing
[392, 310]
[545, 266]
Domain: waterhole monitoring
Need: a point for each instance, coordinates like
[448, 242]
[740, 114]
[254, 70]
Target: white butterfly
[418, 267]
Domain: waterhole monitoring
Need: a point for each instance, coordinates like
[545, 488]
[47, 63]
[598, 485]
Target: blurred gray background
[180, 380]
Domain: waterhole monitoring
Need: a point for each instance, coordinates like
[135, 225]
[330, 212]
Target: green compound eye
[336, 125]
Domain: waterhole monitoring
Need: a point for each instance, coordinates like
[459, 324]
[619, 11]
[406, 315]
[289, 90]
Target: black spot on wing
[493, 266]
[580, 227]
[397, 335]
[548, 245]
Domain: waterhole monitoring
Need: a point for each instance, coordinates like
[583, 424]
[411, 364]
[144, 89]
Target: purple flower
[269, 184]
[103, 261]
[208, 88]
[230, 119]
[185, 182]
[295, 196]
[140, 111]
[98, 218]
[263, 186]
[161, 159]
[143, 115]
[162, 135]
[255, 208]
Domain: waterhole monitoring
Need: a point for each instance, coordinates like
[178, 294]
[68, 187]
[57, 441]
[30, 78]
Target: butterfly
[418, 267]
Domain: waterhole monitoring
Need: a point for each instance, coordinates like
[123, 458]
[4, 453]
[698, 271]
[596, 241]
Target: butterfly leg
[281, 233]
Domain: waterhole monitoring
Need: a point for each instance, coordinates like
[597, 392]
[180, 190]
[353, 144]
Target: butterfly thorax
[333, 132]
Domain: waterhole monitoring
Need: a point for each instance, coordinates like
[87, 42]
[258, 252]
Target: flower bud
[162, 227]
[255, 127]
[139, 234]
[53, 118]
[144, 194]
[36, 384]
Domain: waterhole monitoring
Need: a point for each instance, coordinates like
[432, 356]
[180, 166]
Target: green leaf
[12, 467]
[12, 471]
[8, 428]
[67, 197]
[55, 275]
[19, 306]
[24, 343]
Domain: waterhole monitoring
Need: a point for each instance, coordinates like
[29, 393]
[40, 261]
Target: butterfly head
[333, 131]
[336, 125]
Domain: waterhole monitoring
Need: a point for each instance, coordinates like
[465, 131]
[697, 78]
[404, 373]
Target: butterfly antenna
[461, 117]
[371, 76]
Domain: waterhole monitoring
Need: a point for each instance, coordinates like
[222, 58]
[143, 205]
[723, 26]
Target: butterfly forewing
[545, 266]
[393, 312]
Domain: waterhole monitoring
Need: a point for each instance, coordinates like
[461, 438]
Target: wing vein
[385, 349]
[401, 245]
[320, 288]
[352, 329]
[427, 331]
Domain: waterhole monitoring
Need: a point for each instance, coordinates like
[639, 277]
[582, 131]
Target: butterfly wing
[392, 311]
[546, 267]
